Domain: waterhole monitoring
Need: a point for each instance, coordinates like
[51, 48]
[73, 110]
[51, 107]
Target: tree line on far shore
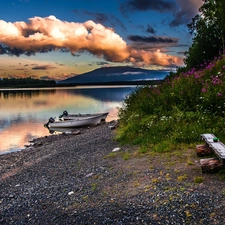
[32, 83]
[25, 82]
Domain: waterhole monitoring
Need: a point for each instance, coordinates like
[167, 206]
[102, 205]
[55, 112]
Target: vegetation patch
[176, 112]
[189, 101]
[182, 178]
[198, 179]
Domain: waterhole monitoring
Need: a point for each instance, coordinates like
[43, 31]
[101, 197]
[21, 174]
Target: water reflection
[18, 134]
[24, 112]
[105, 94]
[24, 93]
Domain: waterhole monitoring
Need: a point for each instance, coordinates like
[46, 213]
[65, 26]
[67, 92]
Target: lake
[23, 112]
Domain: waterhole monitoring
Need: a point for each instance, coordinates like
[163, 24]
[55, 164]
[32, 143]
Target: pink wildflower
[204, 90]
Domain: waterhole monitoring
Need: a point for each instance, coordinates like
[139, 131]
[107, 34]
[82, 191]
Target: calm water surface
[23, 112]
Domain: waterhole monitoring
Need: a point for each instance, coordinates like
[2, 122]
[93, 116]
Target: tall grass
[178, 110]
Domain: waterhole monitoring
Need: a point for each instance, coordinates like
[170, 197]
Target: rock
[76, 132]
[111, 127]
[114, 126]
[37, 144]
[89, 175]
[116, 149]
[203, 150]
[211, 165]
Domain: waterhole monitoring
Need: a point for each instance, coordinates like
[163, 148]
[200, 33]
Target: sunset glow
[56, 41]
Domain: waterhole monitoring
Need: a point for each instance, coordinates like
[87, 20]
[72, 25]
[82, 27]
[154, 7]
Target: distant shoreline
[141, 82]
[149, 82]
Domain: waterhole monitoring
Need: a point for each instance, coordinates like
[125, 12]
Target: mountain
[115, 74]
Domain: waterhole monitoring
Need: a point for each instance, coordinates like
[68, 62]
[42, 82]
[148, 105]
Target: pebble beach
[89, 178]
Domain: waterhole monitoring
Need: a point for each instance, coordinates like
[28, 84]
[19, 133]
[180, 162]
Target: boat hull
[80, 122]
[72, 116]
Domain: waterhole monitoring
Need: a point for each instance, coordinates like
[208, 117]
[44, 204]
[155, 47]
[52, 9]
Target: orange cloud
[142, 58]
[49, 33]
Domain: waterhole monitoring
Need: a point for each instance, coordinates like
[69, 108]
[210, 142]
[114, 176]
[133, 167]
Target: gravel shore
[78, 179]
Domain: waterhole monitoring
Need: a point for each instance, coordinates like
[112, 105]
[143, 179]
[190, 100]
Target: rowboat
[72, 116]
[79, 122]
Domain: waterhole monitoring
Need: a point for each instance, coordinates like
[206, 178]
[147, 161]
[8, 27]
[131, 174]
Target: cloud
[145, 5]
[150, 29]
[49, 34]
[125, 73]
[20, 69]
[104, 19]
[102, 63]
[185, 11]
[46, 78]
[153, 43]
[46, 67]
[152, 39]
[132, 73]
[142, 58]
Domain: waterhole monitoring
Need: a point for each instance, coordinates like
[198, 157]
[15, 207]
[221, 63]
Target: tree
[208, 30]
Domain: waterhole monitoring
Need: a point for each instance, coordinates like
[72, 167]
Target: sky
[57, 39]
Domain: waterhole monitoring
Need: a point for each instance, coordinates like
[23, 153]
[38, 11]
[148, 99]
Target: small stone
[89, 175]
[116, 149]
[76, 132]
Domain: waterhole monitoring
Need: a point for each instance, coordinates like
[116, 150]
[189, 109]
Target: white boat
[72, 116]
[79, 122]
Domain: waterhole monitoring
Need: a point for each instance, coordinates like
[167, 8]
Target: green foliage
[182, 178]
[221, 175]
[163, 146]
[198, 180]
[143, 150]
[208, 33]
[93, 187]
[177, 111]
[126, 156]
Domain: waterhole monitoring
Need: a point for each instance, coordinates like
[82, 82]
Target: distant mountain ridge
[116, 74]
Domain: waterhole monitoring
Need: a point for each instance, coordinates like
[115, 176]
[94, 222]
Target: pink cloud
[49, 33]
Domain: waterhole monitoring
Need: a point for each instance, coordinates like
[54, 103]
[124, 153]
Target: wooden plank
[208, 138]
[219, 149]
[217, 146]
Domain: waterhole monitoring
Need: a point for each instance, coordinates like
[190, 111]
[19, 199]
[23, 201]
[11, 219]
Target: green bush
[178, 110]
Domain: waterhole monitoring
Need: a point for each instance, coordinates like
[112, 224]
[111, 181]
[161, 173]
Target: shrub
[176, 111]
